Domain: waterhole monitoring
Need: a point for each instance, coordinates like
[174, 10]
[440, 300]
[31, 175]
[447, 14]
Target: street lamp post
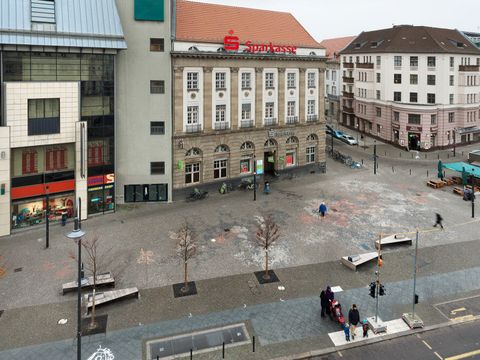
[47, 219]
[254, 178]
[77, 235]
[375, 158]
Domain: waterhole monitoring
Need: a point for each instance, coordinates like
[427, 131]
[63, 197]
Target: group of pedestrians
[326, 297]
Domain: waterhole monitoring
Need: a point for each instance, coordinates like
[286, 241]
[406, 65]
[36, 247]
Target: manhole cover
[204, 341]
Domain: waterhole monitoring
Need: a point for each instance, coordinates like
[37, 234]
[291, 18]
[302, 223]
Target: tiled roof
[334, 46]
[85, 23]
[201, 22]
[412, 39]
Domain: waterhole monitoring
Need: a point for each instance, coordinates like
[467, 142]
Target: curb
[326, 351]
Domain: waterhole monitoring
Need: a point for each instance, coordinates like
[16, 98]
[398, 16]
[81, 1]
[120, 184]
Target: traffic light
[372, 289]
[416, 299]
[381, 290]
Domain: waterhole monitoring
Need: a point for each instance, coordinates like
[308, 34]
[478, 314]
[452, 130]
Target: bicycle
[225, 188]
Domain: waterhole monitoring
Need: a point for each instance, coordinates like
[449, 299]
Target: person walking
[323, 302]
[322, 209]
[329, 296]
[365, 328]
[346, 330]
[353, 319]
[438, 221]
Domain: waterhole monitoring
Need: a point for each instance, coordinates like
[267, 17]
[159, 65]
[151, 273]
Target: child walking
[346, 330]
[365, 328]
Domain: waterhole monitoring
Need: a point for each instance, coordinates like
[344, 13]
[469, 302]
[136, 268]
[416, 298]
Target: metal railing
[221, 125]
[193, 128]
[312, 118]
[270, 121]
[246, 123]
[292, 119]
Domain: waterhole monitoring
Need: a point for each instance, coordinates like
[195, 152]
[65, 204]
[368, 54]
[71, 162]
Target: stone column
[281, 97]
[321, 96]
[301, 97]
[207, 98]
[178, 100]
[234, 121]
[258, 97]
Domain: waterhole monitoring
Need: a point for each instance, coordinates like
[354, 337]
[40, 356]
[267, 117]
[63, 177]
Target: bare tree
[267, 234]
[186, 248]
[91, 265]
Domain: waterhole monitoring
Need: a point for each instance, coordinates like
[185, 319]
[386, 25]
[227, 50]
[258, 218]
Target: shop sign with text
[231, 42]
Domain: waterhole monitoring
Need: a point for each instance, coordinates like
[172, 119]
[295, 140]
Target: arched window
[270, 143]
[222, 149]
[292, 140]
[193, 152]
[193, 48]
[247, 145]
[312, 137]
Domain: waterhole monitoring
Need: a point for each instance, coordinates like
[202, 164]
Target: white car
[349, 139]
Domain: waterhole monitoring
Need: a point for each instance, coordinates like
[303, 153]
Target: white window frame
[219, 165]
[397, 61]
[291, 80]
[220, 80]
[192, 168]
[192, 80]
[247, 114]
[291, 107]
[310, 154]
[311, 80]
[269, 110]
[192, 115]
[311, 107]
[220, 113]
[269, 80]
[246, 80]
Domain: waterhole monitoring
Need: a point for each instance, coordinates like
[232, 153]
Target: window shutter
[24, 162]
[63, 157]
[48, 161]
[100, 154]
[33, 162]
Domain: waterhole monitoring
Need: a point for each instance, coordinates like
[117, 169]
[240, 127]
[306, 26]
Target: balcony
[347, 109]
[292, 119]
[348, 80]
[347, 94]
[193, 128]
[364, 65]
[312, 118]
[221, 125]
[246, 123]
[348, 65]
[472, 68]
[270, 121]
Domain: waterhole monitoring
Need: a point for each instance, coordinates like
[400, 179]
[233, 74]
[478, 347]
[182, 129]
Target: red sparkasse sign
[232, 43]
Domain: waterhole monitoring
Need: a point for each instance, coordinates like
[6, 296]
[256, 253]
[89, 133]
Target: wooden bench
[393, 240]
[449, 181]
[357, 260]
[458, 191]
[105, 279]
[102, 298]
[436, 184]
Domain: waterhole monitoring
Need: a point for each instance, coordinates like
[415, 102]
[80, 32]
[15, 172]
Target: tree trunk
[185, 286]
[92, 322]
[267, 275]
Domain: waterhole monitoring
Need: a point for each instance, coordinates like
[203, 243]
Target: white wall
[5, 180]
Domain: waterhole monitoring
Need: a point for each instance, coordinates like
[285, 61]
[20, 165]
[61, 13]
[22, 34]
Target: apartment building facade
[57, 109]
[143, 107]
[248, 94]
[415, 86]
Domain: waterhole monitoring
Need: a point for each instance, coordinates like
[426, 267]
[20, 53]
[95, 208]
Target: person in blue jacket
[322, 209]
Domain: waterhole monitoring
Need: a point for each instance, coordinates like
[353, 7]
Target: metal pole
[254, 178]
[375, 159]
[378, 277]
[332, 143]
[473, 200]
[79, 212]
[415, 273]
[79, 298]
[47, 220]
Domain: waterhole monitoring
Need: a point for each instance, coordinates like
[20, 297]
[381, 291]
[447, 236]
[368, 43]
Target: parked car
[349, 139]
[337, 134]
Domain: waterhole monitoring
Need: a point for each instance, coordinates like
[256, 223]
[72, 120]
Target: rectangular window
[311, 80]
[220, 111]
[379, 60]
[431, 61]
[433, 119]
[291, 80]
[29, 162]
[430, 79]
[451, 99]
[157, 44]
[378, 94]
[269, 110]
[379, 128]
[310, 154]
[378, 111]
[219, 169]
[245, 166]
[55, 158]
[43, 116]
[311, 107]
[413, 79]
[192, 115]
[397, 61]
[246, 80]
[396, 116]
[452, 81]
[413, 97]
[220, 81]
[414, 61]
[414, 119]
[157, 168]
[451, 117]
[291, 108]
[334, 74]
[397, 96]
[269, 80]
[327, 74]
[246, 111]
[157, 87]
[431, 98]
[192, 80]
[157, 127]
[397, 78]
[96, 153]
[452, 61]
[192, 173]
[334, 90]
[378, 77]
[327, 89]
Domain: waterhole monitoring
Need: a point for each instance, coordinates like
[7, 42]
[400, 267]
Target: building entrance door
[269, 162]
[413, 141]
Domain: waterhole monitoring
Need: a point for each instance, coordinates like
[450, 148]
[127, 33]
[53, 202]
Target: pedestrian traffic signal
[381, 290]
[372, 289]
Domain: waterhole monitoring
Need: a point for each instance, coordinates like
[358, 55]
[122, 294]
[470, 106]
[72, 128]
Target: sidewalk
[283, 322]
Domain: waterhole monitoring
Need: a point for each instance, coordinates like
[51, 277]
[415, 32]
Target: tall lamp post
[47, 219]
[76, 235]
[254, 178]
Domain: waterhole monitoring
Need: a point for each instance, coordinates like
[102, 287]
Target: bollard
[191, 354]
[158, 357]
[427, 173]
[223, 350]
[462, 153]
[410, 171]
[253, 343]
[393, 170]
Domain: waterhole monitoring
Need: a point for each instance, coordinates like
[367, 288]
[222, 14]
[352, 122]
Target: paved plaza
[139, 251]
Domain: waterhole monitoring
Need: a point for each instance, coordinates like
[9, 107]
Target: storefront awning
[469, 168]
[467, 130]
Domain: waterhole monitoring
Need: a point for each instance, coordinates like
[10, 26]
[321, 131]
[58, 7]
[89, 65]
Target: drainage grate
[200, 341]
[18, 269]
